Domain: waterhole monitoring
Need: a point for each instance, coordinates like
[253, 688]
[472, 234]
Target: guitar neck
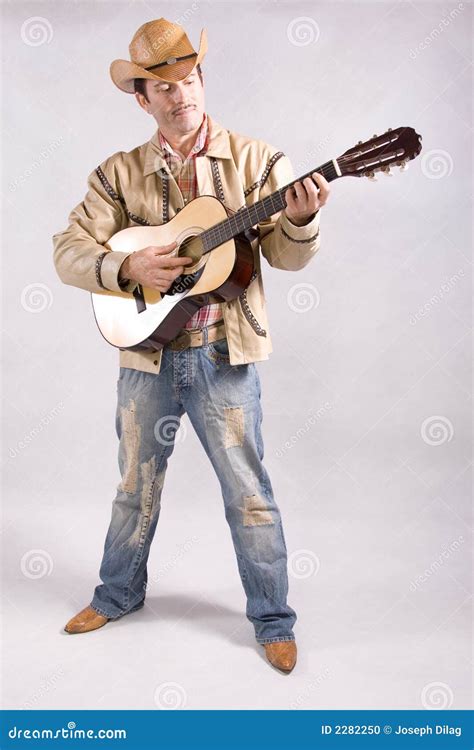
[249, 216]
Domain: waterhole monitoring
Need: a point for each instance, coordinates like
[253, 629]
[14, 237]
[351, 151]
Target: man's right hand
[153, 267]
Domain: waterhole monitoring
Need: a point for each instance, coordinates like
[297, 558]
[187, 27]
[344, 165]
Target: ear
[141, 101]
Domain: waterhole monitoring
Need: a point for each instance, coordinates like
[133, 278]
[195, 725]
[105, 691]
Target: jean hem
[116, 616]
[276, 639]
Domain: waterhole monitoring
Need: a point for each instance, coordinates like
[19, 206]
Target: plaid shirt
[184, 172]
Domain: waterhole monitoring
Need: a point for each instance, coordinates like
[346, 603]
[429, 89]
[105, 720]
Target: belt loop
[204, 336]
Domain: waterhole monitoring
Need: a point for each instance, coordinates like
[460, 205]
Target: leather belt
[196, 336]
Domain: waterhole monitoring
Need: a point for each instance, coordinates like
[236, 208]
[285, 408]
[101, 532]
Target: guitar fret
[249, 216]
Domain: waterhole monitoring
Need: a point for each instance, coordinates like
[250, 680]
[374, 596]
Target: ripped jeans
[223, 405]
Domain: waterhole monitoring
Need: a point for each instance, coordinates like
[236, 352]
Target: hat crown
[157, 41]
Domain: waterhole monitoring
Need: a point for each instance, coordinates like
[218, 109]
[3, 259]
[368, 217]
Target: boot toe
[281, 654]
[85, 620]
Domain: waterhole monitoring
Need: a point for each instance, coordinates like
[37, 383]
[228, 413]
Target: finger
[163, 249]
[320, 179]
[300, 191]
[290, 200]
[172, 262]
[311, 187]
[324, 187]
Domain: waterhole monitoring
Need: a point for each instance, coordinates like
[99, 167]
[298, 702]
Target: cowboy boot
[281, 654]
[87, 619]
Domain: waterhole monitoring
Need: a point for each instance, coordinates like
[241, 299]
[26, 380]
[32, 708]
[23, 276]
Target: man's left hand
[303, 199]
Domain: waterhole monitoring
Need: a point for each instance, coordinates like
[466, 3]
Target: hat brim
[124, 72]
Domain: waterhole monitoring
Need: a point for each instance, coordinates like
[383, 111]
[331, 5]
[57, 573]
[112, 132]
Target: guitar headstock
[378, 154]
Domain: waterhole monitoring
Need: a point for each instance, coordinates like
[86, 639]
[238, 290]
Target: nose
[179, 94]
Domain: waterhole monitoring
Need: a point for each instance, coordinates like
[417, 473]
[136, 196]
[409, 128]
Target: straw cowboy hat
[160, 51]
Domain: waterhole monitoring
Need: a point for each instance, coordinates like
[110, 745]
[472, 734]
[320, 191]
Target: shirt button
[155, 361]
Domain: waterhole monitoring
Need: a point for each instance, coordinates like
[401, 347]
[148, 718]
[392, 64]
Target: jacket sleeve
[282, 243]
[80, 257]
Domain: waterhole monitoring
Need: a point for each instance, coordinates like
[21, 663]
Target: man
[208, 370]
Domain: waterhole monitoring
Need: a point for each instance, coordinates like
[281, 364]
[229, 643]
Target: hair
[140, 83]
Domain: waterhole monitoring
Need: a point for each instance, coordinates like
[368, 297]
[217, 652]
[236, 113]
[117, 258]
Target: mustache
[186, 106]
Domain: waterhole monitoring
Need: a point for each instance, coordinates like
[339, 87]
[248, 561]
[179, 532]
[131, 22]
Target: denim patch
[234, 426]
[255, 511]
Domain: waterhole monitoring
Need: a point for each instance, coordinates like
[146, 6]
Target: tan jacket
[127, 190]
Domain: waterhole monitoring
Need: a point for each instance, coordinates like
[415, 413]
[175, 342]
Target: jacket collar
[219, 146]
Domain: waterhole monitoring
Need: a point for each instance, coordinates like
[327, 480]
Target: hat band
[172, 61]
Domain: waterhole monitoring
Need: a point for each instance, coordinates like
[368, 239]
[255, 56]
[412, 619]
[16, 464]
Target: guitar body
[147, 317]
[220, 247]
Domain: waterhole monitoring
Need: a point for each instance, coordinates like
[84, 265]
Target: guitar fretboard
[249, 216]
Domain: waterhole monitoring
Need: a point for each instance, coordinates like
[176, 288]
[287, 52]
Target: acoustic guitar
[220, 246]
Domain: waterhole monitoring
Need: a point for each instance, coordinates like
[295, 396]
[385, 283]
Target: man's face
[177, 107]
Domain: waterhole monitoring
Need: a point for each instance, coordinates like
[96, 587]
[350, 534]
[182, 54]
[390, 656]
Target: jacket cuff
[109, 271]
[307, 233]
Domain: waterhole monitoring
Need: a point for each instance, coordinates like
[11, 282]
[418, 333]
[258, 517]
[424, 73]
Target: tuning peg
[359, 143]
[403, 166]
[389, 130]
[371, 176]
[386, 170]
[374, 135]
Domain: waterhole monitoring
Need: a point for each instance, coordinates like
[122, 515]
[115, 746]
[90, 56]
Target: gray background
[367, 395]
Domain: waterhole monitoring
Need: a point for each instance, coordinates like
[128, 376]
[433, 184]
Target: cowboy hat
[160, 51]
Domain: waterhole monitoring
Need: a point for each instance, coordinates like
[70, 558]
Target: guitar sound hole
[190, 247]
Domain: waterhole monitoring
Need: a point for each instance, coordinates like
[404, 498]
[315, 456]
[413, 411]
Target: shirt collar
[219, 146]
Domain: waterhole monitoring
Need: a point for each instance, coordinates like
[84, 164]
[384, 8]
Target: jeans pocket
[219, 350]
